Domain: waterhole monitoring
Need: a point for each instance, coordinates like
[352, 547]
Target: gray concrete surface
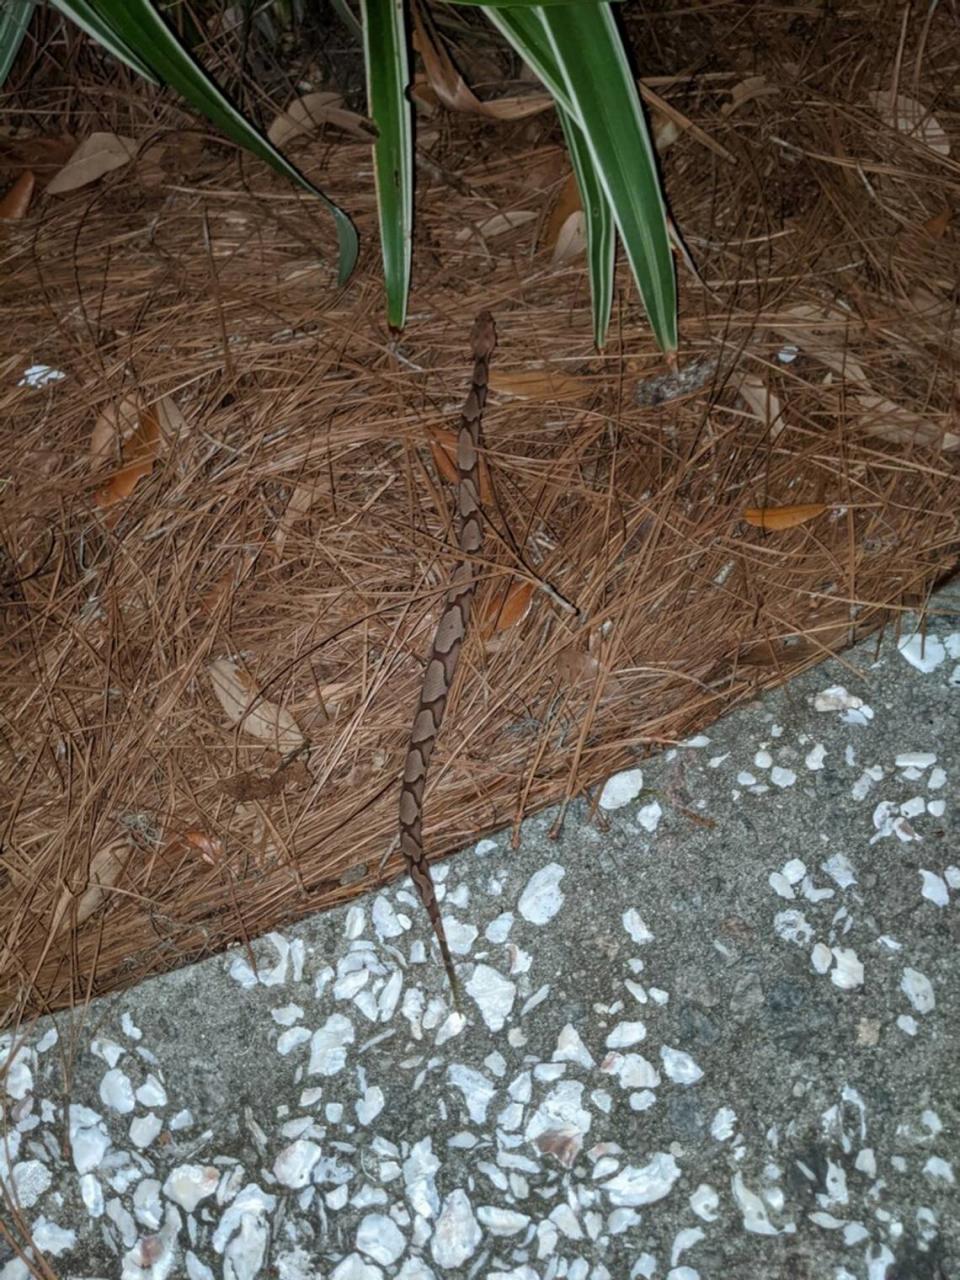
[718, 1039]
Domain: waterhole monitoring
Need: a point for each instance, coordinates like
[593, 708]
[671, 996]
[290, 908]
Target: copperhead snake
[448, 640]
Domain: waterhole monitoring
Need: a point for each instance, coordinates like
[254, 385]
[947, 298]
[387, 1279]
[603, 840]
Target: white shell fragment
[188, 1184]
[679, 1066]
[918, 989]
[635, 1186]
[542, 897]
[620, 789]
[925, 652]
[456, 1236]
[848, 971]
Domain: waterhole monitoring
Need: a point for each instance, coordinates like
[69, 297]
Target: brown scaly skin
[452, 628]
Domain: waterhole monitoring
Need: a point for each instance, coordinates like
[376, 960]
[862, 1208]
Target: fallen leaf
[453, 91]
[115, 424]
[572, 240]
[307, 114]
[174, 156]
[209, 847]
[241, 700]
[567, 202]
[332, 696]
[908, 116]
[218, 592]
[932, 307]
[497, 224]
[301, 500]
[506, 606]
[885, 419]
[746, 91]
[43, 156]
[16, 202]
[443, 448]
[139, 452]
[422, 93]
[536, 384]
[94, 157]
[684, 123]
[574, 665]
[889, 421]
[665, 134]
[763, 402]
[173, 425]
[783, 517]
[936, 226]
[106, 868]
[809, 339]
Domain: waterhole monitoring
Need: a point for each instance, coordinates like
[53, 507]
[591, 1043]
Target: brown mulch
[288, 522]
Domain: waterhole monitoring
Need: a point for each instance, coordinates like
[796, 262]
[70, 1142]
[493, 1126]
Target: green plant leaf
[388, 75]
[534, 4]
[88, 19]
[136, 25]
[347, 17]
[599, 223]
[525, 31]
[587, 48]
[14, 20]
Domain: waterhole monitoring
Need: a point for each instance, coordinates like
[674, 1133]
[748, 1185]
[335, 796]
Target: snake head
[483, 336]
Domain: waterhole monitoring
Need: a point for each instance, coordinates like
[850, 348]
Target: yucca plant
[574, 47]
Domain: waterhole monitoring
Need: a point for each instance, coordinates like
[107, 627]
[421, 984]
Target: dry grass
[293, 520]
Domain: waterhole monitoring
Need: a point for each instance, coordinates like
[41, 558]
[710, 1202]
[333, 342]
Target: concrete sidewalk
[717, 1040]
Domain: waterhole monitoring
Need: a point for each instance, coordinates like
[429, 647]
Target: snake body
[448, 641]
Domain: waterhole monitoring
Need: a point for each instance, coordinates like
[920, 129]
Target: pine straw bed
[294, 522]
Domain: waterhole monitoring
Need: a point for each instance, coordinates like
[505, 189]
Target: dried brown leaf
[443, 448]
[116, 424]
[209, 847]
[806, 333]
[454, 92]
[665, 133]
[783, 517]
[498, 224]
[884, 418]
[936, 227]
[746, 91]
[536, 384]
[933, 308]
[307, 114]
[572, 240]
[139, 452]
[173, 156]
[890, 421]
[669, 112]
[763, 402]
[173, 425]
[16, 202]
[567, 202]
[106, 868]
[301, 500]
[908, 116]
[95, 156]
[506, 606]
[42, 155]
[574, 665]
[241, 700]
